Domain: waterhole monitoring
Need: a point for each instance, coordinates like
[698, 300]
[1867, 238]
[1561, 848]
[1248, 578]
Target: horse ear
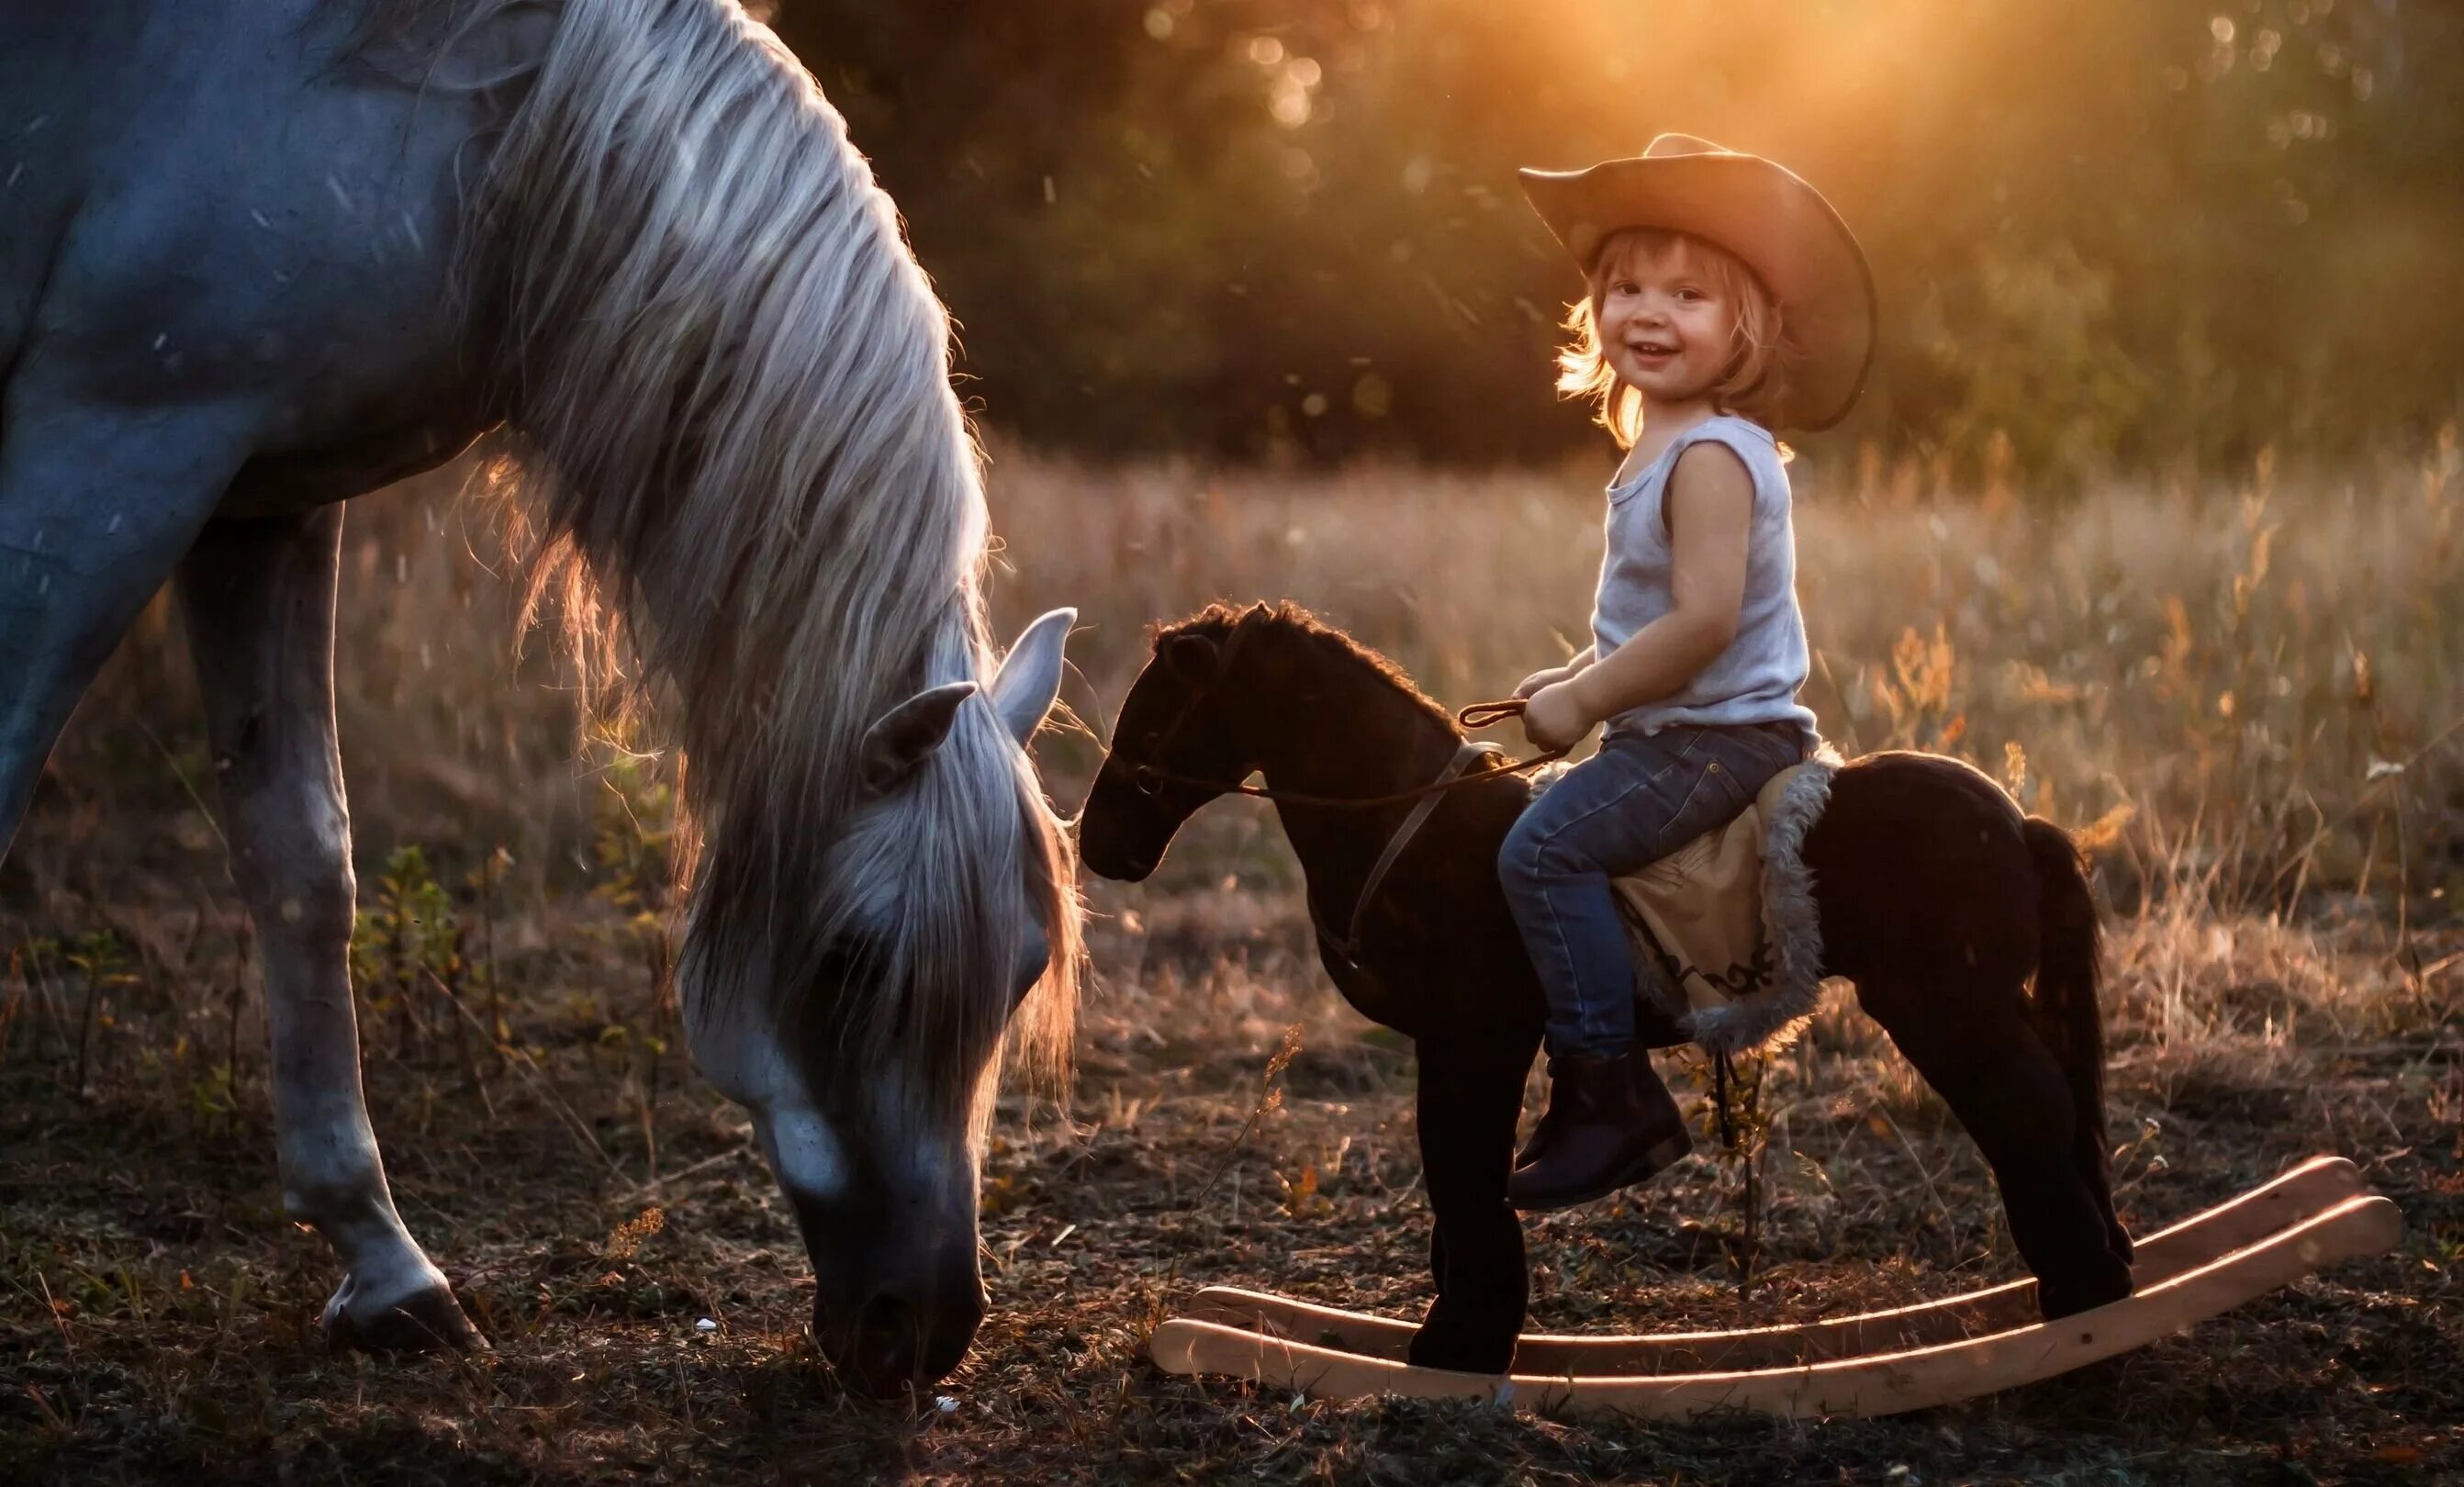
[1029, 678]
[906, 736]
[1194, 659]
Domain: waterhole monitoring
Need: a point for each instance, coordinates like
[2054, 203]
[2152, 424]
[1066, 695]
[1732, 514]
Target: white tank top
[1756, 679]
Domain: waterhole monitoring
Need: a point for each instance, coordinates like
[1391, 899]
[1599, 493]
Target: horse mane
[755, 490]
[1217, 621]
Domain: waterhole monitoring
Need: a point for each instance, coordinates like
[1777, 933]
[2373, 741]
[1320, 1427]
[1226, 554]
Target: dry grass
[2283, 960]
[2229, 666]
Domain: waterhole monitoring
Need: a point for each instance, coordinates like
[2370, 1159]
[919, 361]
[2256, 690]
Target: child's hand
[1552, 718]
[1542, 677]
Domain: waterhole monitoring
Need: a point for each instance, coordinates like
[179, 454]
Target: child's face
[1665, 325]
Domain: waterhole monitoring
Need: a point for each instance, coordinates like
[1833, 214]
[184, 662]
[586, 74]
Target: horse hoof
[424, 1321]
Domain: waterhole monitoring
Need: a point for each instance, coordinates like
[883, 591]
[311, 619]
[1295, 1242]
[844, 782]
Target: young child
[1727, 299]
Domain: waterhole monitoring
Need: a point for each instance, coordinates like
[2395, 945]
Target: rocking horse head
[1182, 737]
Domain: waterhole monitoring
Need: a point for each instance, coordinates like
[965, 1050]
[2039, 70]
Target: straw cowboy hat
[1778, 225]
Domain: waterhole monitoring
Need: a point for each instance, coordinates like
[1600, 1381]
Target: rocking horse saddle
[1725, 934]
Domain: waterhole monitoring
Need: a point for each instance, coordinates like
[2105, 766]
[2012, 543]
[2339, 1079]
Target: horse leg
[260, 598]
[1468, 1109]
[97, 505]
[1976, 1048]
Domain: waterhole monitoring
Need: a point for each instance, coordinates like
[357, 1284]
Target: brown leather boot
[1538, 1140]
[1611, 1124]
[1544, 1131]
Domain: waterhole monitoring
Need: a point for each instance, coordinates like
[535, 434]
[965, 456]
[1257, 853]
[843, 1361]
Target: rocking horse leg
[1468, 1108]
[2088, 1151]
[259, 596]
[1975, 1047]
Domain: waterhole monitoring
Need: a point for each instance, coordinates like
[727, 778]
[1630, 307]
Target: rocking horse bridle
[1150, 777]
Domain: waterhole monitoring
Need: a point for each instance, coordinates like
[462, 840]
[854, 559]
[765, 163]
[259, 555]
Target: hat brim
[1777, 225]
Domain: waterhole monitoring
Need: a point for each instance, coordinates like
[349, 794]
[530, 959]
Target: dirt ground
[2286, 976]
[160, 1317]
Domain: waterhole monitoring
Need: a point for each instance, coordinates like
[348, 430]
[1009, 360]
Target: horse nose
[906, 1334]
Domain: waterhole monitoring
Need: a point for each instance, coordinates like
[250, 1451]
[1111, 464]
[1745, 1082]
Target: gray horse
[261, 256]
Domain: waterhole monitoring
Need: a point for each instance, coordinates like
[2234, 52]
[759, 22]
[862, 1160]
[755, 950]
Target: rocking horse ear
[1193, 658]
[907, 735]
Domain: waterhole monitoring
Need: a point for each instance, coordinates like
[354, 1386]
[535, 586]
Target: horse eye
[849, 960]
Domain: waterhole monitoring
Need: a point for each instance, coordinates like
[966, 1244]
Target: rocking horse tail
[2068, 941]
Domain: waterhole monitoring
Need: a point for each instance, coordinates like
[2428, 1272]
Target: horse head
[945, 898]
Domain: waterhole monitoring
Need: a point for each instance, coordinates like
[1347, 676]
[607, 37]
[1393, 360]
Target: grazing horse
[266, 255]
[1935, 896]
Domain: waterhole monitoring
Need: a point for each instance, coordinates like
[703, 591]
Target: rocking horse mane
[755, 491]
[1217, 622]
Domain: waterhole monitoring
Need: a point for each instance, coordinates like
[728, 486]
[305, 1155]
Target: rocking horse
[1967, 928]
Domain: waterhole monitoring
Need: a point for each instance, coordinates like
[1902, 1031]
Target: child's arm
[1548, 675]
[1710, 513]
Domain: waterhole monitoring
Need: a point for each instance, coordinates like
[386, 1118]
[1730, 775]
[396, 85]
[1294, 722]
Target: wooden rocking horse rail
[1872, 1385]
[2197, 1241]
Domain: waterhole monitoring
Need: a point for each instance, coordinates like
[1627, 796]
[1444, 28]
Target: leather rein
[1149, 776]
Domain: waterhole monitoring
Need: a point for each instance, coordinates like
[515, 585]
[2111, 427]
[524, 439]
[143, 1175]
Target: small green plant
[100, 961]
[213, 1094]
[633, 837]
[1738, 1129]
[408, 945]
[635, 842]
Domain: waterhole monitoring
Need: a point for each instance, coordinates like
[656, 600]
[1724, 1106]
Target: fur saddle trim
[1726, 933]
[1791, 919]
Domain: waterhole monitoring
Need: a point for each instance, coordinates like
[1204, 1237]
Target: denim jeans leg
[1640, 799]
[1604, 817]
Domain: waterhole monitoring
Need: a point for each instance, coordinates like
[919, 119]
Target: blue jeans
[1641, 798]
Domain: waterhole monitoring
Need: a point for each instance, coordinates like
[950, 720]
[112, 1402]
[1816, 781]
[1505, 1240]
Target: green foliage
[2118, 231]
[634, 841]
[97, 956]
[633, 837]
[213, 1094]
[2030, 345]
[409, 935]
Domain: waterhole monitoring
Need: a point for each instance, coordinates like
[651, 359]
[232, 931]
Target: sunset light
[1217, 741]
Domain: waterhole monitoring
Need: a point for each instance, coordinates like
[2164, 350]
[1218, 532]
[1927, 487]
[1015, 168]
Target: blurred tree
[2114, 231]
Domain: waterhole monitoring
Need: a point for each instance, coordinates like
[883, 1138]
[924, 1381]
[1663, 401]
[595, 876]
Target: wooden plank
[2315, 1183]
[1877, 1385]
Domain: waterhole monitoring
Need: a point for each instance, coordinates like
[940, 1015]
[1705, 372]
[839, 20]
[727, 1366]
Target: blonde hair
[1752, 385]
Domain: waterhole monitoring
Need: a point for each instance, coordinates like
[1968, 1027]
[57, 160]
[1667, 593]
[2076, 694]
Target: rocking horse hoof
[2056, 1302]
[1451, 1348]
[426, 1320]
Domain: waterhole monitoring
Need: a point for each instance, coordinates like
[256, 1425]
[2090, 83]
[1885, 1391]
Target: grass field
[2244, 693]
